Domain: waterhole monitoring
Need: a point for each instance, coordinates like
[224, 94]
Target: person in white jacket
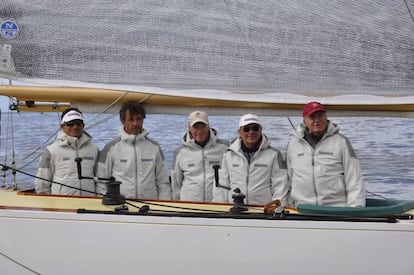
[322, 166]
[134, 159]
[252, 165]
[57, 173]
[192, 175]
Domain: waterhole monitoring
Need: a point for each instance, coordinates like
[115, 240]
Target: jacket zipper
[136, 167]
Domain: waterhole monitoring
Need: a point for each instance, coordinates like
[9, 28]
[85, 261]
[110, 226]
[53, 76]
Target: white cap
[248, 119]
[71, 115]
[197, 116]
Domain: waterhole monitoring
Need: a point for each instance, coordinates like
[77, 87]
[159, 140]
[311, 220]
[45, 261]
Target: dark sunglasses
[74, 122]
[248, 128]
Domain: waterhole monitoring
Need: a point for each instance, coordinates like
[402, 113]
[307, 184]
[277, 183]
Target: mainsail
[339, 52]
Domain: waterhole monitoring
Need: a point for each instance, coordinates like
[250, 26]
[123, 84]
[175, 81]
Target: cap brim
[249, 122]
[197, 121]
[314, 111]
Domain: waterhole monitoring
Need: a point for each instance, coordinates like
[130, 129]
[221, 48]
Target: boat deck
[28, 199]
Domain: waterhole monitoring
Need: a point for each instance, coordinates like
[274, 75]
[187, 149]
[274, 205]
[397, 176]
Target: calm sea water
[384, 146]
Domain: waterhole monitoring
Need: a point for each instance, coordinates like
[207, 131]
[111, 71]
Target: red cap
[312, 107]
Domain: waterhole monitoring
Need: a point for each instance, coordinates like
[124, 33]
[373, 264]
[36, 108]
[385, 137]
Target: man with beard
[134, 159]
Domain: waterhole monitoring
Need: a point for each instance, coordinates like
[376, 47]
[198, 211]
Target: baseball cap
[71, 115]
[247, 119]
[312, 107]
[197, 116]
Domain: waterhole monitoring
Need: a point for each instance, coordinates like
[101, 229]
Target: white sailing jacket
[330, 174]
[261, 181]
[192, 175]
[138, 163]
[57, 163]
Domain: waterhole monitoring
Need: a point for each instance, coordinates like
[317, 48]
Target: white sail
[227, 56]
[338, 52]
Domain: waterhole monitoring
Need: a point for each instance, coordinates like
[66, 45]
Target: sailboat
[228, 58]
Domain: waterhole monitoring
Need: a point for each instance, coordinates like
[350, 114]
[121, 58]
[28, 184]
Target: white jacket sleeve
[176, 179]
[44, 173]
[161, 177]
[354, 184]
[279, 180]
[103, 170]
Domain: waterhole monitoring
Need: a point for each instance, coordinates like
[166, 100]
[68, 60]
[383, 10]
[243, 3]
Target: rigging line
[6, 149]
[14, 185]
[29, 162]
[41, 146]
[91, 126]
[176, 207]
[14, 169]
[3, 172]
[198, 212]
[106, 109]
[37, 148]
[8, 139]
[291, 123]
[32, 152]
[409, 11]
[110, 106]
[18, 263]
[25, 162]
[145, 98]
[96, 193]
[3, 183]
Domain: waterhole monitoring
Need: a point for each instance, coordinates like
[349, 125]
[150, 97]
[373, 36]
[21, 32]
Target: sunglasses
[248, 128]
[74, 122]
